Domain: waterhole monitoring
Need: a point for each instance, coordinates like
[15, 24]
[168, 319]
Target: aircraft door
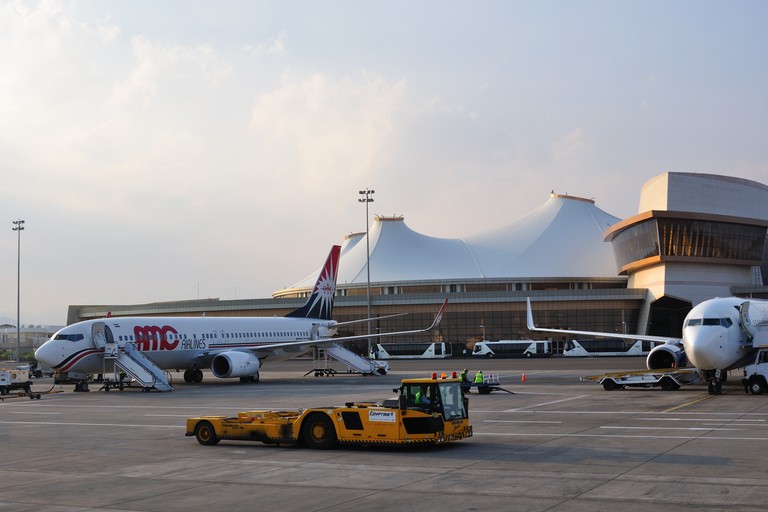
[99, 335]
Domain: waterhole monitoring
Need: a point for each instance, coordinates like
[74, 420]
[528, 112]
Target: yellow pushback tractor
[428, 411]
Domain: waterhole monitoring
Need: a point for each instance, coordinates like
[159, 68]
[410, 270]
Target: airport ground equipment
[426, 412]
[490, 383]
[755, 379]
[356, 365]
[16, 383]
[668, 379]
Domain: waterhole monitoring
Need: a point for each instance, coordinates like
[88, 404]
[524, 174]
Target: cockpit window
[722, 322]
[68, 337]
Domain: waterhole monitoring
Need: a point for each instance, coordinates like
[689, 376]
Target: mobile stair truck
[426, 412]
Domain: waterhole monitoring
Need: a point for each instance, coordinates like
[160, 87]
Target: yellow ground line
[689, 403]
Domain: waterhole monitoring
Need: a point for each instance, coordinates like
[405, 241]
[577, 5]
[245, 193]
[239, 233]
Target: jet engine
[668, 355]
[235, 364]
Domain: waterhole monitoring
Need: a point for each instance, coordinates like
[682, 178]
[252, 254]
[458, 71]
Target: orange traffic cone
[523, 379]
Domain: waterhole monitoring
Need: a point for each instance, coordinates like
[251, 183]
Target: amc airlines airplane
[231, 347]
[717, 336]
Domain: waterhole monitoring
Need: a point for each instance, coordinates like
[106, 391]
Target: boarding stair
[355, 363]
[138, 366]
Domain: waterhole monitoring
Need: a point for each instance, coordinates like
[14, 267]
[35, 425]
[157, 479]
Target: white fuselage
[713, 337]
[179, 343]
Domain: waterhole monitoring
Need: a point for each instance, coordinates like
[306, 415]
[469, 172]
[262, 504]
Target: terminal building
[696, 236]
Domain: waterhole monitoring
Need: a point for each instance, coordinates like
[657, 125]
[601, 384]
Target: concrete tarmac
[556, 444]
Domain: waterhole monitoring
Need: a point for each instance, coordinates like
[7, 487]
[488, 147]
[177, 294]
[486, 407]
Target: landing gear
[250, 378]
[193, 375]
[715, 378]
[81, 386]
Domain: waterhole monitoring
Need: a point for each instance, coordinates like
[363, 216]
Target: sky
[191, 149]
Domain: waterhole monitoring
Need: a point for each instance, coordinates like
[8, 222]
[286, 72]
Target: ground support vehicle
[490, 383]
[426, 412]
[16, 383]
[668, 380]
[755, 379]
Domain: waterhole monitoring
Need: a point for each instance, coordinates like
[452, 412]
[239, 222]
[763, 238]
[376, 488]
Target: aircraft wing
[297, 345]
[643, 337]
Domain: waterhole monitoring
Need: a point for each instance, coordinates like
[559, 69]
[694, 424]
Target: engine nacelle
[235, 364]
[668, 355]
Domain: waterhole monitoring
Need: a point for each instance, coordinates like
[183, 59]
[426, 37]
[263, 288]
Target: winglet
[439, 316]
[531, 327]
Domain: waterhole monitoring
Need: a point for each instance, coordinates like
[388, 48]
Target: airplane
[718, 335]
[230, 346]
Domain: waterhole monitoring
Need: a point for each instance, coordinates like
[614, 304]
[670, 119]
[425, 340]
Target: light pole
[19, 226]
[367, 193]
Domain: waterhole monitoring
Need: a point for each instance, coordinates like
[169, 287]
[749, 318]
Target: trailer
[426, 412]
[490, 383]
[669, 379]
[16, 383]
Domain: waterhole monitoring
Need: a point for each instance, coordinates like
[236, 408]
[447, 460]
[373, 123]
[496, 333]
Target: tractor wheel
[206, 434]
[319, 432]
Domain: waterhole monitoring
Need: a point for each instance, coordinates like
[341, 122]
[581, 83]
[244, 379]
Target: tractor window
[421, 395]
[453, 402]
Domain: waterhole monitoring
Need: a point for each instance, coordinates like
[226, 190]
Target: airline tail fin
[320, 302]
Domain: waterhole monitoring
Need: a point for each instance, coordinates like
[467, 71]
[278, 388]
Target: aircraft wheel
[189, 376]
[197, 375]
[206, 434]
[756, 386]
[83, 386]
[319, 432]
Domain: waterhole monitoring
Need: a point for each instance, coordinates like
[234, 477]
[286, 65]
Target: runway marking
[168, 415]
[74, 424]
[623, 436]
[547, 403]
[34, 412]
[667, 428]
[695, 419]
[731, 424]
[692, 402]
[522, 421]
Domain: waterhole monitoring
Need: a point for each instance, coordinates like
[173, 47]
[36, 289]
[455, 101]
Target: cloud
[273, 48]
[319, 126]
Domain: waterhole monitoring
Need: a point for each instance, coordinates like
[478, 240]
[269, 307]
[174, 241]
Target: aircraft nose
[47, 354]
[703, 348]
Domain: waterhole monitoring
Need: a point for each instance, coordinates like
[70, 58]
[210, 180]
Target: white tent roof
[561, 238]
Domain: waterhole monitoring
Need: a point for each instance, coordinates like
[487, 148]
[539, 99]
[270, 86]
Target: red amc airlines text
[152, 337]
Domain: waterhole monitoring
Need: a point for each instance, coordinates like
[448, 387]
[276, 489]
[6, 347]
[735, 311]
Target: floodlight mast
[367, 193]
[19, 227]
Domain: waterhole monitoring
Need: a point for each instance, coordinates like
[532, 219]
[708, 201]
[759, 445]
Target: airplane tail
[320, 302]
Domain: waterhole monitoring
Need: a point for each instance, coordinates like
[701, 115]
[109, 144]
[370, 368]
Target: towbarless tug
[427, 411]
